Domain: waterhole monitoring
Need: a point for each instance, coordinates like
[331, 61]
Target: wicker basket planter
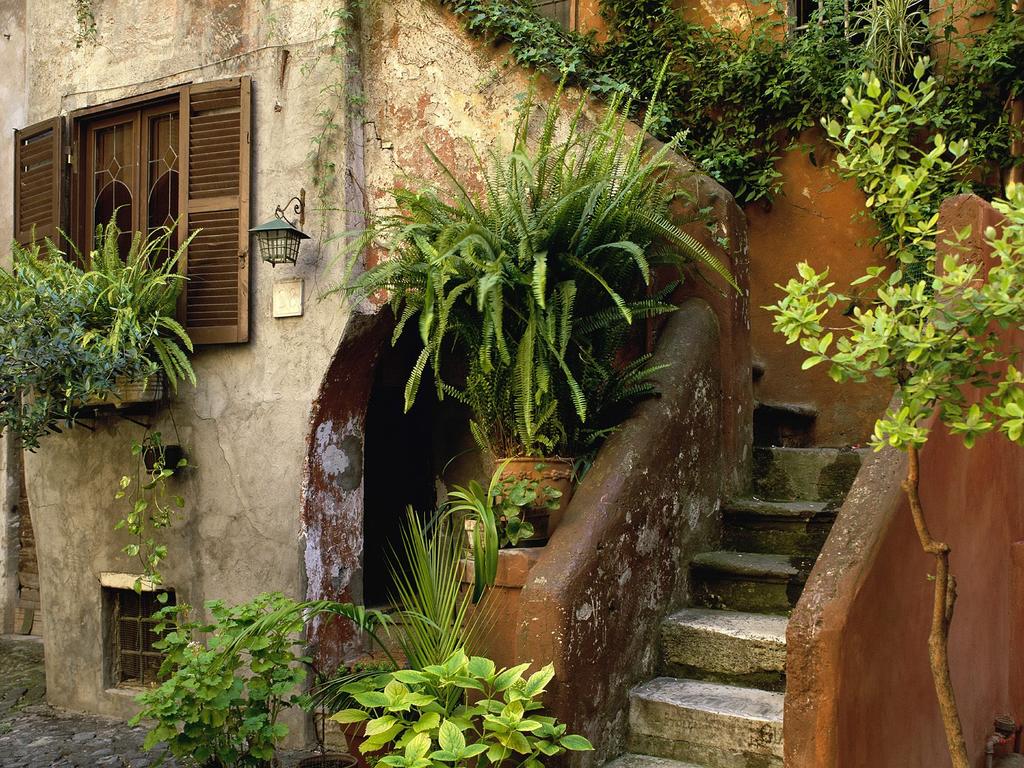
[126, 393]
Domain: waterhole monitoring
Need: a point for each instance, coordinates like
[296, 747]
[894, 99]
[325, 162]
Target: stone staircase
[719, 701]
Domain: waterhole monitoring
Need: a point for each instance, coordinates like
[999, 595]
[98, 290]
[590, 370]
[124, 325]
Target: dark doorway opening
[398, 469]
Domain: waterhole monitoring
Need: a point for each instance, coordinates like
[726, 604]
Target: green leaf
[509, 676]
[575, 743]
[450, 738]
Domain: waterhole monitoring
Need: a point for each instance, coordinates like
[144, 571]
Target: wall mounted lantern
[279, 238]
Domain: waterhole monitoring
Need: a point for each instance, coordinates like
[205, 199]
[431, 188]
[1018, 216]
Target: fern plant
[534, 286]
[136, 299]
[70, 336]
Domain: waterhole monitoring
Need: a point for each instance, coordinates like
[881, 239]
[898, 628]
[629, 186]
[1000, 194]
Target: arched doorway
[365, 461]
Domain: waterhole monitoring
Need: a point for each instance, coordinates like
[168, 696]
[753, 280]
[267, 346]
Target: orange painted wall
[812, 220]
[860, 692]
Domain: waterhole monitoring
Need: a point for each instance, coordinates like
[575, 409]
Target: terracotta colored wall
[617, 563]
[812, 220]
[860, 690]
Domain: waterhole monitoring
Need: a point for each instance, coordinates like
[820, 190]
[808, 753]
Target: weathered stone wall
[13, 97]
[244, 425]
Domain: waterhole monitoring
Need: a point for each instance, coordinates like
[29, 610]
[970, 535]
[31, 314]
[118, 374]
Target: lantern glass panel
[279, 246]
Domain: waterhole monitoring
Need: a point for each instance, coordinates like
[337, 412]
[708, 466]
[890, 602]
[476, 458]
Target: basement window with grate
[133, 659]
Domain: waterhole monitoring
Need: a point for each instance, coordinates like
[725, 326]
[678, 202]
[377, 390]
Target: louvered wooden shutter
[38, 181]
[214, 190]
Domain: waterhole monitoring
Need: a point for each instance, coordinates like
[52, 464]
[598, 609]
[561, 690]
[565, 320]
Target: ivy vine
[741, 99]
[85, 19]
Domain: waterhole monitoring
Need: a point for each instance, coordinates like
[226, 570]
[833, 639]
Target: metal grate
[137, 661]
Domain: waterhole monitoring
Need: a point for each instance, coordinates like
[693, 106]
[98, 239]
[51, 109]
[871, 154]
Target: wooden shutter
[38, 181]
[214, 202]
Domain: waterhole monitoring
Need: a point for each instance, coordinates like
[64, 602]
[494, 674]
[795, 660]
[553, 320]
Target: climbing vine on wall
[742, 98]
[85, 19]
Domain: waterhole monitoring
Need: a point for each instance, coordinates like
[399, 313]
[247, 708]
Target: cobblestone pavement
[34, 735]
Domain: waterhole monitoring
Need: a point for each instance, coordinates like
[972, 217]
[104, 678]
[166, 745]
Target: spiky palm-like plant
[536, 283]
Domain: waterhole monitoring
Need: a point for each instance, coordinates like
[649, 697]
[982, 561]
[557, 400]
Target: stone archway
[332, 490]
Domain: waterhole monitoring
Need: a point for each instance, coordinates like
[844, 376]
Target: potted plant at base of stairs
[433, 702]
[73, 339]
[534, 288]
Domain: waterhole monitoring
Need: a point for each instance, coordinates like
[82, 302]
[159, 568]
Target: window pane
[162, 176]
[114, 178]
[559, 10]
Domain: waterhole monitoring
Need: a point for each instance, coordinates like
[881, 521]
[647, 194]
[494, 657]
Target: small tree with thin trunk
[937, 338]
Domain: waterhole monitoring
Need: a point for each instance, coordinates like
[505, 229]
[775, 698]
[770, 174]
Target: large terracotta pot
[553, 473]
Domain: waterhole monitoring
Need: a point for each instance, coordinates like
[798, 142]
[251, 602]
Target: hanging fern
[536, 284]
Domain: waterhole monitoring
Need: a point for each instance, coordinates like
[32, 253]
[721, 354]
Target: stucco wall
[812, 220]
[12, 115]
[245, 423]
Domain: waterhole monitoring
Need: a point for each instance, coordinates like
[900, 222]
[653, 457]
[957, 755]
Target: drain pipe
[1007, 734]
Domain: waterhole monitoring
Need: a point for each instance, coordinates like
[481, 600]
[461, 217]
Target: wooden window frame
[573, 23]
[178, 99]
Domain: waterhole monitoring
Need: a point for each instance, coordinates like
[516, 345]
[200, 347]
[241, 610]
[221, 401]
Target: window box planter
[126, 393]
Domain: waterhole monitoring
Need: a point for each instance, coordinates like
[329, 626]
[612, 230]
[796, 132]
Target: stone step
[721, 726]
[804, 474]
[748, 581]
[780, 527]
[726, 647]
[630, 760]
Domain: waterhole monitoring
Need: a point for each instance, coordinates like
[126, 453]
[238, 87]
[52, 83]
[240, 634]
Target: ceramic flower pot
[554, 473]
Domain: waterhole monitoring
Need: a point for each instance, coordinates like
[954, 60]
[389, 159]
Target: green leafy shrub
[464, 712]
[70, 336]
[219, 704]
[536, 285]
[904, 176]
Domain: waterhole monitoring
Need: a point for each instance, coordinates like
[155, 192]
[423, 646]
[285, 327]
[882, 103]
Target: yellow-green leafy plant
[462, 712]
[937, 340]
[889, 146]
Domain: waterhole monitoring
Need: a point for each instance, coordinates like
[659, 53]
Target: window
[133, 659]
[565, 12]
[803, 11]
[179, 155]
[131, 171]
